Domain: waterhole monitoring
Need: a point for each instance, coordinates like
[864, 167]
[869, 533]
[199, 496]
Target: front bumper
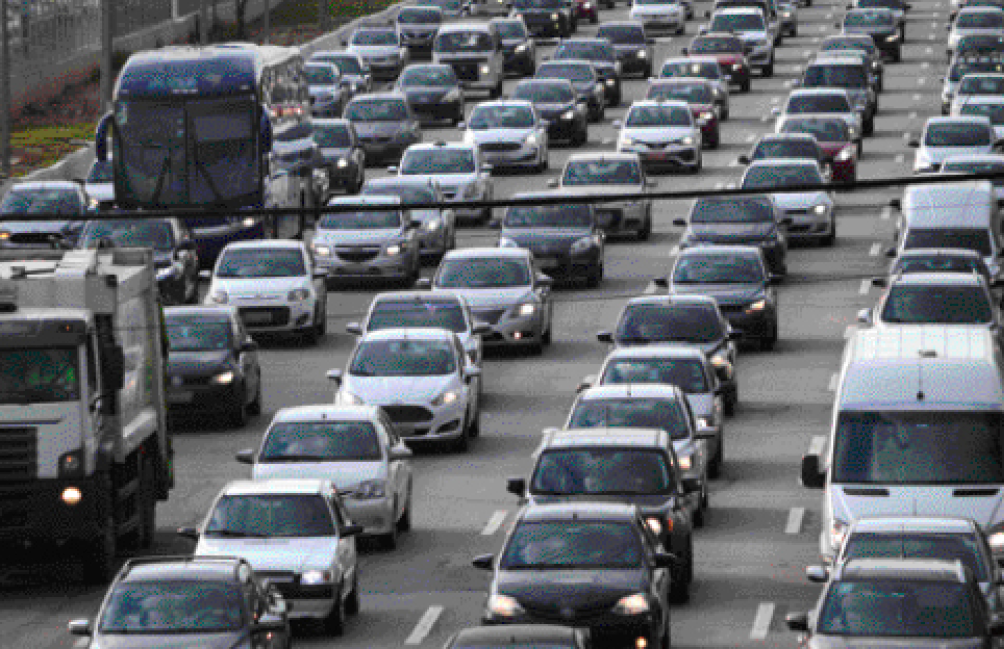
[565, 265]
[197, 395]
[631, 63]
[508, 329]
[341, 177]
[562, 129]
[545, 28]
[386, 71]
[275, 316]
[670, 158]
[379, 149]
[433, 242]
[424, 422]
[807, 225]
[751, 325]
[511, 154]
[379, 266]
[760, 56]
[620, 217]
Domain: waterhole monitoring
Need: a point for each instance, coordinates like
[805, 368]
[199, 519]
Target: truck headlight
[447, 398]
[504, 606]
[636, 604]
[707, 422]
[892, 39]
[71, 496]
[720, 361]
[654, 524]
[298, 295]
[707, 116]
[838, 532]
[687, 141]
[316, 577]
[223, 378]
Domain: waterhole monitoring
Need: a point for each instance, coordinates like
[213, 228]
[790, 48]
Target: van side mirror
[605, 337]
[812, 476]
[335, 376]
[350, 531]
[661, 282]
[817, 574]
[516, 486]
[797, 622]
[890, 253]
[245, 456]
[680, 222]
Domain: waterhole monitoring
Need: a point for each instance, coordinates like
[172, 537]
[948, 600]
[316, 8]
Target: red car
[699, 94]
[587, 9]
[727, 49]
[840, 150]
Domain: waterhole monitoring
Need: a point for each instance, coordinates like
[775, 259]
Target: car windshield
[979, 20]
[403, 357]
[655, 116]
[545, 93]
[699, 69]
[408, 314]
[128, 234]
[980, 44]
[409, 194]
[245, 263]
[511, 29]
[937, 305]
[981, 85]
[100, 172]
[602, 471]
[419, 15]
[917, 545]
[686, 374]
[994, 112]
[678, 322]
[767, 176]
[429, 77]
[938, 264]
[568, 544]
[472, 41]
[737, 23]
[375, 37]
[173, 606]
[550, 216]
[270, 516]
[588, 51]
[732, 210]
[768, 149]
[602, 172]
[839, 76]
[332, 137]
[974, 239]
[718, 269]
[321, 75]
[692, 93]
[824, 130]
[376, 110]
[196, 333]
[948, 134]
[632, 412]
[622, 34]
[716, 44]
[962, 68]
[818, 104]
[976, 167]
[898, 447]
[390, 219]
[41, 201]
[483, 273]
[437, 161]
[869, 19]
[843, 44]
[321, 441]
[570, 71]
[485, 117]
[898, 608]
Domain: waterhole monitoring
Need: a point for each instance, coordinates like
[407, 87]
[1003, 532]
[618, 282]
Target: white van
[950, 215]
[918, 429]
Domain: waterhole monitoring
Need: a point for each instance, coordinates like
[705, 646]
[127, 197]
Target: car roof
[670, 81]
[938, 279]
[590, 511]
[602, 436]
[46, 184]
[522, 103]
[903, 524]
[439, 144]
[716, 249]
[783, 162]
[738, 10]
[621, 23]
[657, 351]
[297, 487]
[602, 155]
[486, 252]
[982, 99]
[817, 91]
[939, 252]
[366, 199]
[326, 412]
[827, 59]
[630, 390]
[390, 95]
[914, 569]
[464, 27]
[956, 119]
[704, 60]
[771, 137]
[186, 568]
[974, 157]
[330, 121]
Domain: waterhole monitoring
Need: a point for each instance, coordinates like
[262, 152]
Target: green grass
[295, 12]
[41, 146]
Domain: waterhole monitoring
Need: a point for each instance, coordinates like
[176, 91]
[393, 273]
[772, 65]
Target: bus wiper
[161, 177]
[205, 174]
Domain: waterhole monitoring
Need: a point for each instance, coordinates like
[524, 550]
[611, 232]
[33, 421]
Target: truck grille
[17, 455]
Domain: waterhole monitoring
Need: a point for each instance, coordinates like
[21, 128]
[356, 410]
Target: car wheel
[667, 639]
[699, 514]
[745, 86]
[255, 407]
[595, 18]
[239, 415]
[404, 524]
[767, 343]
[389, 540]
[580, 137]
[679, 591]
[682, 29]
[595, 277]
[715, 465]
[352, 601]
[334, 622]
[768, 70]
[462, 443]
[321, 324]
[646, 227]
[696, 169]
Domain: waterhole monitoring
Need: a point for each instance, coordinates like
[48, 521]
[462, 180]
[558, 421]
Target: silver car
[328, 91]
[811, 212]
[963, 66]
[505, 290]
[749, 24]
[974, 20]
[663, 134]
[588, 174]
[509, 134]
[459, 171]
[351, 66]
[986, 163]
[437, 226]
[368, 244]
[385, 124]
[423, 380]
[980, 84]
[666, 16]
[944, 137]
[990, 107]
[382, 50]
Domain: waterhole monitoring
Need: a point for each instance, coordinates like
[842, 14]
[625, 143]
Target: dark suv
[191, 601]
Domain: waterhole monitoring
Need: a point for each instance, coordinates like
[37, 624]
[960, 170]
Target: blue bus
[223, 127]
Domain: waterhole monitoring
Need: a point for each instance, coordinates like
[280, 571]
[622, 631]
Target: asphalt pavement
[762, 528]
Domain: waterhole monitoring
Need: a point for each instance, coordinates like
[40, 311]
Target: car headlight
[996, 540]
[342, 163]
[707, 116]
[892, 39]
[587, 6]
[759, 305]
[322, 251]
[447, 398]
[531, 140]
[737, 67]
[636, 604]
[433, 224]
[369, 489]
[845, 154]
[720, 361]
[707, 422]
[347, 399]
[316, 577]
[504, 606]
[687, 141]
[654, 524]
[298, 295]
[820, 209]
[219, 297]
[568, 114]
[611, 82]
[526, 309]
[395, 249]
[521, 48]
[585, 244]
[484, 69]
[838, 532]
[686, 462]
[627, 141]
[506, 242]
[599, 87]
[642, 54]
[555, 17]
[223, 378]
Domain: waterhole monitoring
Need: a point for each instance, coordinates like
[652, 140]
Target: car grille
[408, 414]
[499, 146]
[275, 316]
[18, 468]
[358, 254]
[374, 139]
[734, 309]
[466, 71]
[747, 48]
[490, 316]
[798, 211]
[560, 615]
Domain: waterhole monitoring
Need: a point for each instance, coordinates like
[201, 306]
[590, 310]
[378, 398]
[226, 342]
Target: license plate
[180, 397]
[257, 318]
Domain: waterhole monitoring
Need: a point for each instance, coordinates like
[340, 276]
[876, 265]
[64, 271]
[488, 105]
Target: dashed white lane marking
[719, 186]
[82, 643]
[789, 84]
[866, 285]
[925, 65]
[849, 331]
[494, 523]
[807, 53]
[424, 625]
[917, 97]
[832, 386]
[886, 213]
[817, 445]
[900, 158]
[913, 115]
[875, 249]
[750, 138]
[795, 516]
[921, 81]
[930, 50]
[906, 136]
[733, 163]
[761, 623]
[652, 288]
[775, 100]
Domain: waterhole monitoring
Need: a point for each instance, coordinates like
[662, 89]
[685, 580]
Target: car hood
[755, 35]
[660, 134]
[588, 190]
[136, 640]
[727, 58]
[196, 362]
[838, 642]
[435, 92]
[275, 554]
[624, 49]
[378, 129]
[446, 181]
[356, 237]
[559, 590]
[800, 200]
[726, 294]
[419, 28]
[390, 390]
[545, 240]
[725, 231]
[658, 10]
[547, 111]
[273, 287]
[481, 298]
[500, 135]
[871, 30]
[981, 503]
[346, 476]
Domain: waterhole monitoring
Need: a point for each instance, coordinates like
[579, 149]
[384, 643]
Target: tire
[148, 504]
[99, 556]
[474, 427]
[767, 344]
[462, 443]
[579, 139]
[696, 169]
[255, 406]
[595, 18]
[682, 29]
[595, 277]
[334, 622]
[322, 324]
[545, 337]
[238, 416]
[898, 56]
[646, 229]
[679, 591]
[404, 523]
[699, 517]
[746, 85]
[352, 601]
[731, 403]
[388, 541]
[870, 126]
[715, 465]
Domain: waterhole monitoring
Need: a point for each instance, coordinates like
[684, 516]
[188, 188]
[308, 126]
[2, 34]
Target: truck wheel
[99, 559]
[147, 503]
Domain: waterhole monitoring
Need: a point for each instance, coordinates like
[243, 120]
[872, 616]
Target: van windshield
[975, 239]
[909, 448]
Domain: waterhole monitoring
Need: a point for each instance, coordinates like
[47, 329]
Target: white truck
[85, 452]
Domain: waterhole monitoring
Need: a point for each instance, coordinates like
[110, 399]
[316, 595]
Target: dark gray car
[633, 47]
[418, 26]
[518, 47]
[385, 124]
[433, 91]
[558, 103]
[600, 52]
[341, 159]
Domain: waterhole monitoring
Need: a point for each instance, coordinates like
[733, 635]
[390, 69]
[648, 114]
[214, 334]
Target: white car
[663, 133]
[275, 285]
[357, 448]
[667, 16]
[944, 137]
[509, 134]
[296, 535]
[457, 168]
[991, 107]
[811, 212]
[980, 84]
[422, 378]
[975, 20]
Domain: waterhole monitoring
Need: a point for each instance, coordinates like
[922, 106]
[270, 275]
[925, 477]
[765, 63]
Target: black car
[165, 602]
[515, 636]
[593, 565]
[737, 277]
[60, 197]
[433, 91]
[881, 25]
[739, 220]
[600, 52]
[980, 45]
[341, 159]
[557, 102]
[174, 253]
[632, 45]
[634, 466]
[564, 239]
[546, 18]
[212, 364]
[899, 603]
[585, 80]
[518, 48]
[418, 26]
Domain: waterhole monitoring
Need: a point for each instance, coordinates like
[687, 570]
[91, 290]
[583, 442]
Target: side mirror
[424, 283]
[618, 123]
[80, 627]
[248, 346]
[354, 328]
[189, 533]
[516, 486]
[661, 282]
[471, 372]
[269, 624]
[896, 203]
[811, 475]
[743, 159]
[351, 530]
[205, 274]
[245, 456]
[775, 279]
[680, 222]
[484, 562]
[665, 560]
[817, 574]
[735, 335]
[691, 485]
[605, 337]
[401, 452]
[880, 282]
[797, 622]
[586, 383]
[865, 316]
[335, 376]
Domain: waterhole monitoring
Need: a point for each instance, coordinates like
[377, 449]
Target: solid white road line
[424, 625]
[494, 523]
[832, 387]
[761, 623]
[875, 249]
[795, 516]
[866, 285]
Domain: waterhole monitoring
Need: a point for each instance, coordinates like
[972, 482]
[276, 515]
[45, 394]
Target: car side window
[650, 543]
